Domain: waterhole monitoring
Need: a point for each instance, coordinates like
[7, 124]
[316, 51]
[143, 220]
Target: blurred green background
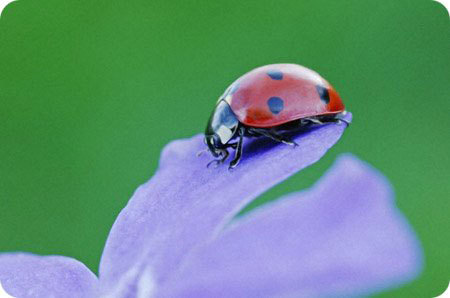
[90, 92]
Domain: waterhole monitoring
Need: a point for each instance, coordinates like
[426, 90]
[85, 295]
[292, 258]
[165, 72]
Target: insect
[267, 101]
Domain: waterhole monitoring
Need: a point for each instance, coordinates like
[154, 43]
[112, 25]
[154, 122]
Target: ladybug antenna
[202, 151]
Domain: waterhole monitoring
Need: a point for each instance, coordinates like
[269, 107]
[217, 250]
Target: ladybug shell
[275, 94]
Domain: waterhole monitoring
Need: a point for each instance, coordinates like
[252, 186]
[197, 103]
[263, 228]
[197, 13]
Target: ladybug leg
[337, 119]
[200, 153]
[274, 136]
[311, 121]
[238, 147]
[233, 145]
[217, 162]
[340, 118]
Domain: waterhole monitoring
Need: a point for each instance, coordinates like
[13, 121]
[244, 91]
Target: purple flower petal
[27, 275]
[342, 237]
[185, 203]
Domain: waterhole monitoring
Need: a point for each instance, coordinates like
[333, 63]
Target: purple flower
[179, 237]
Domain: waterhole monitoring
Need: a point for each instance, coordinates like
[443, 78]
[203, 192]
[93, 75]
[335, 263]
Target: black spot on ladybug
[275, 104]
[275, 74]
[323, 94]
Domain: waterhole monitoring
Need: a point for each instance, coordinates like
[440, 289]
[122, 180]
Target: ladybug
[267, 101]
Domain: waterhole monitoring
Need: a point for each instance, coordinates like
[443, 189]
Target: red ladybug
[266, 101]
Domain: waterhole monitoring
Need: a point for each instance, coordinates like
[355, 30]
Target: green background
[90, 92]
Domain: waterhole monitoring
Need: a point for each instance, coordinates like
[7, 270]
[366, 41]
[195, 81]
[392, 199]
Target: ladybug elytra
[267, 101]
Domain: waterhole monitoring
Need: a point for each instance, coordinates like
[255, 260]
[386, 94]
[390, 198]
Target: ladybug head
[214, 145]
[221, 128]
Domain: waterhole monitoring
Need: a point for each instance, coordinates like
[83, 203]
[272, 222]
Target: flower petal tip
[28, 275]
[348, 116]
